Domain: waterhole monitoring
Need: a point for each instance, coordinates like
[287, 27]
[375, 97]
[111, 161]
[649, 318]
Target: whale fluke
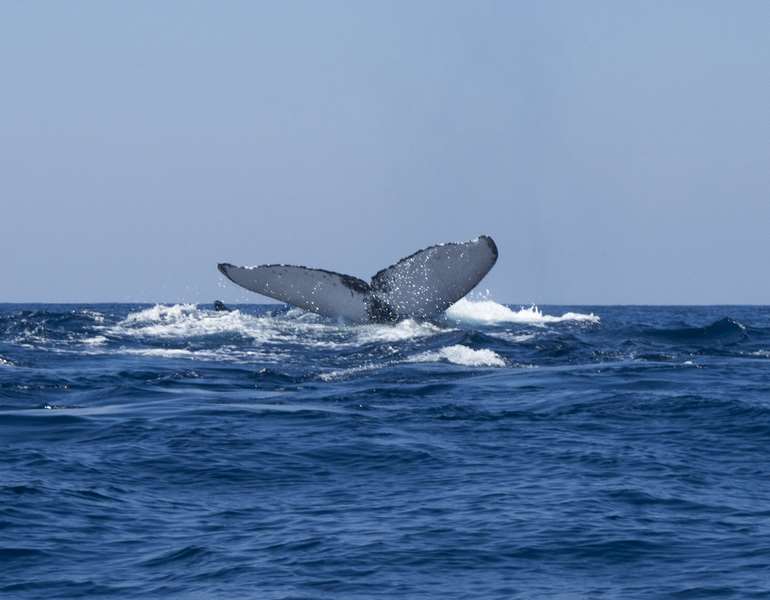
[420, 286]
[316, 290]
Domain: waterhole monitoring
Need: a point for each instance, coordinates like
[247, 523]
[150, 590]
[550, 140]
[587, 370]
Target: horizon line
[521, 304]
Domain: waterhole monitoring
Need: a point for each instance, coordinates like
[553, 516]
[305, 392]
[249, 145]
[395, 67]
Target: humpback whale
[420, 286]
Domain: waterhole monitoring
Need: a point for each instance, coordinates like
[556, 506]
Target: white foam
[342, 373]
[489, 312]
[301, 315]
[96, 316]
[222, 354]
[462, 355]
[4, 362]
[97, 340]
[186, 320]
[403, 330]
[161, 313]
[514, 337]
[293, 327]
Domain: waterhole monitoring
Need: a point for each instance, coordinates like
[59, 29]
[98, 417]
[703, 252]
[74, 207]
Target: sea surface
[501, 452]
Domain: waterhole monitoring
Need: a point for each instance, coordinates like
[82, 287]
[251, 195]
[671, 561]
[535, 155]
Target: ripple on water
[172, 450]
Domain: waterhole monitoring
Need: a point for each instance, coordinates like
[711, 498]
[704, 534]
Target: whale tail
[420, 286]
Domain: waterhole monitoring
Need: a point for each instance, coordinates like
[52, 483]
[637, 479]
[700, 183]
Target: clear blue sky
[619, 152]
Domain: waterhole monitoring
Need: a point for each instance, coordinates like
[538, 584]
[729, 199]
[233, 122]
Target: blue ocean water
[578, 452]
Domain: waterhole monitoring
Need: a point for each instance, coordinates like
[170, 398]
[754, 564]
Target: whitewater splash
[179, 331]
[189, 320]
[189, 331]
[457, 355]
[184, 321]
[397, 332]
[488, 312]
[462, 355]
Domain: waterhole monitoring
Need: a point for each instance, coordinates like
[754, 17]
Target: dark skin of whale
[219, 306]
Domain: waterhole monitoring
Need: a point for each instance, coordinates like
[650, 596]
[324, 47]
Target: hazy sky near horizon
[618, 152]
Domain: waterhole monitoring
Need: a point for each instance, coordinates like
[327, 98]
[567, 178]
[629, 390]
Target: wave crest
[397, 332]
[295, 326]
[187, 320]
[462, 355]
[489, 312]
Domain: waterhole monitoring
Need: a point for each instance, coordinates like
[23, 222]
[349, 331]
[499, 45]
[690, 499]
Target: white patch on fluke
[489, 312]
[462, 355]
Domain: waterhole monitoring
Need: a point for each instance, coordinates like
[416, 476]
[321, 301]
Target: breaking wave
[397, 332]
[191, 321]
[488, 312]
[187, 320]
[272, 335]
[296, 326]
[462, 355]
